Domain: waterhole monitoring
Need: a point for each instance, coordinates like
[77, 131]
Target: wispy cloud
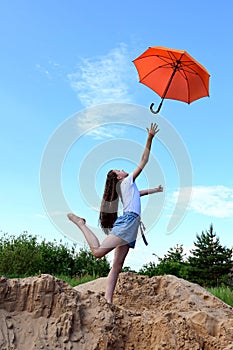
[215, 201]
[103, 82]
[41, 216]
[103, 79]
[51, 69]
[43, 70]
[105, 133]
[51, 214]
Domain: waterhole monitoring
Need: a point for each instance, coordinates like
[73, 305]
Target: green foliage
[149, 269]
[175, 255]
[25, 256]
[171, 264]
[55, 258]
[175, 268]
[128, 269]
[223, 293]
[210, 263]
[18, 255]
[75, 281]
[86, 263]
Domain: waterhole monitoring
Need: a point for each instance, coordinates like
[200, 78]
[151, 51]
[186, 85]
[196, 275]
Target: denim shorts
[126, 227]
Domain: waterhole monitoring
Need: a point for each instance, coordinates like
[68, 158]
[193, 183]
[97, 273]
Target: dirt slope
[161, 313]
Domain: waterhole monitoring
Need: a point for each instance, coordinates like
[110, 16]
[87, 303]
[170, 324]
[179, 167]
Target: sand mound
[159, 313]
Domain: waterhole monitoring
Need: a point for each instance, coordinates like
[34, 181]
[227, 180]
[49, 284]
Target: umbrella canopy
[172, 74]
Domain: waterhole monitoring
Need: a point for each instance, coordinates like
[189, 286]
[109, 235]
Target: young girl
[122, 231]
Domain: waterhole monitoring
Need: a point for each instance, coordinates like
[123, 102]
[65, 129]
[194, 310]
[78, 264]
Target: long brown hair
[109, 203]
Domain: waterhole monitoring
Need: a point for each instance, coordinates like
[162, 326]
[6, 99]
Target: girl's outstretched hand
[153, 130]
[159, 188]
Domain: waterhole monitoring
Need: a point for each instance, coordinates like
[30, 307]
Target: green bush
[86, 263]
[19, 255]
[25, 256]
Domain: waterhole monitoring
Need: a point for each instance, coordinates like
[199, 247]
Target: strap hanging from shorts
[142, 229]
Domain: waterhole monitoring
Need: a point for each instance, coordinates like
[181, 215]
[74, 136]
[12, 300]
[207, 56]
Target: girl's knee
[101, 251]
[97, 253]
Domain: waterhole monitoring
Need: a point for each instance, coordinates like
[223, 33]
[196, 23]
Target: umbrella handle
[152, 105]
[166, 90]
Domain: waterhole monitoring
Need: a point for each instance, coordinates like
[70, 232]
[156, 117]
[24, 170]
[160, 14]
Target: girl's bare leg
[92, 240]
[119, 258]
[98, 250]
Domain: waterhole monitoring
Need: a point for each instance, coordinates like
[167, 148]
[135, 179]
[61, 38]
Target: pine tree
[210, 262]
[175, 254]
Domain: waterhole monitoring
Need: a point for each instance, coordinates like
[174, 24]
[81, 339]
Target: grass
[223, 293]
[75, 281]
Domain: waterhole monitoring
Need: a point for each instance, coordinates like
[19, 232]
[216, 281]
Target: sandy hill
[159, 313]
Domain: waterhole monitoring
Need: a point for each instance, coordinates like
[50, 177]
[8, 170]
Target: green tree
[171, 264]
[86, 264]
[210, 263]
[175, 254]
[56, 258]
[149, 269]
[18, 255]
[174, 268]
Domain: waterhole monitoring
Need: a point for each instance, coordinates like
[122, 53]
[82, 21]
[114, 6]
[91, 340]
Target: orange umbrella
[172, 74]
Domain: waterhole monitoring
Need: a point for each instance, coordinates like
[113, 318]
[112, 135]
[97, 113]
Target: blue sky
[60, 60]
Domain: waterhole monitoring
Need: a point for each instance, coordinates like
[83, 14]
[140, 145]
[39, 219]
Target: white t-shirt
[130, 195]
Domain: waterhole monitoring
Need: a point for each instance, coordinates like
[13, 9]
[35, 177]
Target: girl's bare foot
[76, 219]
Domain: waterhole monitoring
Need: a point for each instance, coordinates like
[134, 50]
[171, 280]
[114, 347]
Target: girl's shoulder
[128, 179]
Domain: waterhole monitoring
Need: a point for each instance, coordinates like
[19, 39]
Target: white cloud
[41, 216]
[92, 119]
[51, 214]
[104, 133]
[215, 201]
[51, 69]
[103, 79]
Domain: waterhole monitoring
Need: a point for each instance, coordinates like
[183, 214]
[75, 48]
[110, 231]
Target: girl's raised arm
[152, 131]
